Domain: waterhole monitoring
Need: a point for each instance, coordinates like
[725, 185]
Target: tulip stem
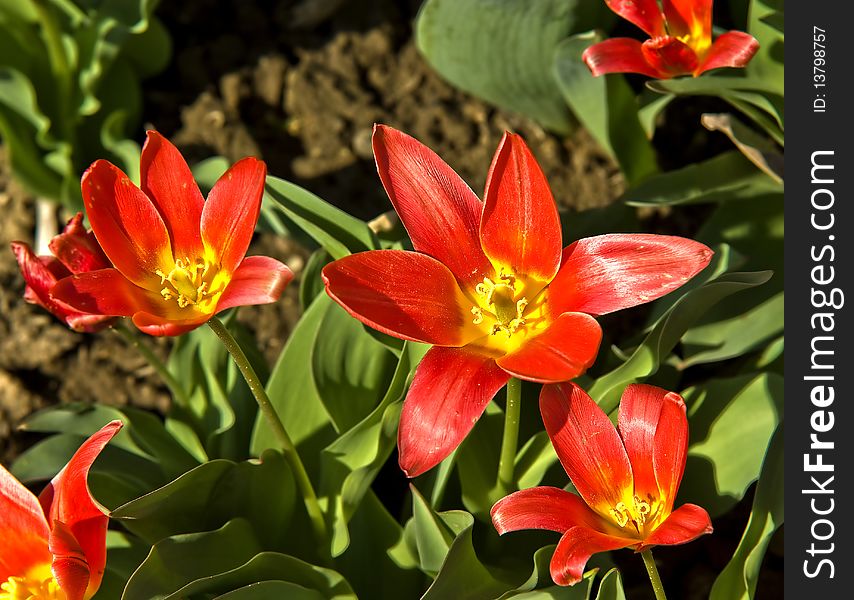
[268, 410]
[148, 354]
[652, 571]
[510, 439]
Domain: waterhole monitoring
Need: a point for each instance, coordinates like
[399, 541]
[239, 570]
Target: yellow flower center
[192, 283]
[39, 584]
[504, 312]
[637, 513]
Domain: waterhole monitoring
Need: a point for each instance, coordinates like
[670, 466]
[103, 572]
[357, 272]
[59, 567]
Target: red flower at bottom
[626, 481]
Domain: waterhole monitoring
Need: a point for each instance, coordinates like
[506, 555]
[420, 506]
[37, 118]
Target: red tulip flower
[680, 41]
[75, 250]
[490, 287]
[178, 259]
[626, 481]
[54, 547]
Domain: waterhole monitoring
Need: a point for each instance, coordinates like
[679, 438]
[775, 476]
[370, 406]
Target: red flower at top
[75, 250]
[179, 259]
[626, 481]
[490, 287]
[680, 41]
[54, 547]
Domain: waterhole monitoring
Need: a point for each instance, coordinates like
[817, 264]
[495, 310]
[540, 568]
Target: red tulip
[178, 258]
[54, 547]
[489, 286]
[680, 41]
[626, 481]
[75, 250]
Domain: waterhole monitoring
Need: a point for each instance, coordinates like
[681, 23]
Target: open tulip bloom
[490, 286]
[626, 481]
[54, 547]
[680, 41]
[75, 250]
[178, 259]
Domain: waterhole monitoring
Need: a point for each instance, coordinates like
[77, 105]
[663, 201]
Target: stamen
[478, 315]
[620, 514]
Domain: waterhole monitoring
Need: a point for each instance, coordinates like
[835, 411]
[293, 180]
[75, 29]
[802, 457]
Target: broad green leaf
[728, 176]
[731, 421]
[433, 534]
[606, 106]
[611, 587]
[765, 24]
[739, 578]
[339, 233]
[503, 50]
[540, 586]
[311, 283]
[206, 172]
[271, 590]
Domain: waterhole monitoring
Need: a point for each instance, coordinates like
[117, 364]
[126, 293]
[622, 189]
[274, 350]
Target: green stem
[287, 446]
[652, 571]
[178, 392]
[510, 439]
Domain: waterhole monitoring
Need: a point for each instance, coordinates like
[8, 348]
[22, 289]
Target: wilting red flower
[490, 287]
[54, 547]
[680, 41]
[75, 250]
[178, 258]
[626, 481]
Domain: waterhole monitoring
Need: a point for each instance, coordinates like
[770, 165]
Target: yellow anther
[620, 514]
[31, 588]
[478, 315]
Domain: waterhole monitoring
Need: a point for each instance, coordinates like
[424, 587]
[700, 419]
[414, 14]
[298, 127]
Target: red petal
[670, 447]
[686, 523]
[157, 325]
[644, 13]
[67, 499]
[70, 567]
[23, 528]
[566, 349]
[669, 56]
[619, 55]
[78, 249]
[520, 226]
[258, 280]
[732, 49]
[449, 392]
[126, 223]
[404, 294]
[587, 444]
[576, 547]
[440, 212]
[108, 292]
[689, 17]
[543, 508]
[231, 211]
[605, 273]
[168, 181]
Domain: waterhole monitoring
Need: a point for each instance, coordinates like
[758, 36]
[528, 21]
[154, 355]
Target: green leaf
[339, 233]
[311, 284]
[726, 177]
[540, 586]
[206, 172]
[271, 590]
[732, 421]
[739, 578]
[611, 587]
[606, 106]
[503, 50]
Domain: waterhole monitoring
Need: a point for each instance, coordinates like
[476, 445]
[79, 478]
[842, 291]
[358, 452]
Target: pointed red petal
[576, 547]
[686, 523]
[70, 567]
[67, 499]
[126, 223]
[231, 211]
[670, 447]
[587, 444]
[449, 392]
[404, 294]
[689, 17]
[77, 248]
[669, 56]
[23, 528]
[520, 227]
[565, 350]
[644, 13]
[543, 508]
[258, 280]
[159, 326]
[440, 212]
[167, 180]
[108, 292]
[619, 55]
[606, 273]
[732, 49]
